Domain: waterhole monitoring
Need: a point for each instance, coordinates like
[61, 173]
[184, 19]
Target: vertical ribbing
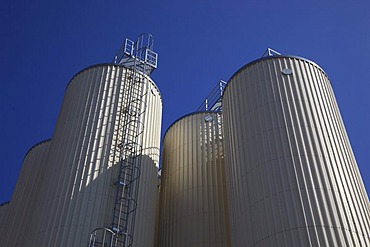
[193, 208]
[78, 187]
[20, 210]
[4, 221]
[292, 176]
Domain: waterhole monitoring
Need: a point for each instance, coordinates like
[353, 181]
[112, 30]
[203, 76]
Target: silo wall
[84, 158]
[4, 207]
[193, 206]
[23, 205]
[292, 176]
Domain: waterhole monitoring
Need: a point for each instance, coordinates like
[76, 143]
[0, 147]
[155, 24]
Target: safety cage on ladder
[140, 60]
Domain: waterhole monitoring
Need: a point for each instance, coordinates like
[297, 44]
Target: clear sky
[43, 43]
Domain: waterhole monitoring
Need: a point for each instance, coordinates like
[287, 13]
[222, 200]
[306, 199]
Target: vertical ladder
[141, 61]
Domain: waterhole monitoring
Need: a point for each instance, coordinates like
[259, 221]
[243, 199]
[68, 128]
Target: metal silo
[193, 206]
[104, 157]
[84, 157]
[21, 209]
[292, 176]
[4, 207]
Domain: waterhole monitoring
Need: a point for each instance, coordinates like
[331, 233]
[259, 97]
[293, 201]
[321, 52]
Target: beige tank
[4, 207]
[23, 205]
[193, 207]
[292, 176]
[83, 159]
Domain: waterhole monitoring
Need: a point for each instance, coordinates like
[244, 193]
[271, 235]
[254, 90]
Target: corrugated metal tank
[292, 176]
[22, 206]
[193, 206]
[83, 161]
[4, 207]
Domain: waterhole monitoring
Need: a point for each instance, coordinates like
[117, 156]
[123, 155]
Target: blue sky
[44, 43]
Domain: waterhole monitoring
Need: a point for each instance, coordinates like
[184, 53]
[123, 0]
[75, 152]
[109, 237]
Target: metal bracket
[270, 53]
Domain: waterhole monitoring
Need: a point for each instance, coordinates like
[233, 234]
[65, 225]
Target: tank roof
[4, 203]
[272, 57]
[110, 64]
[35, 145]
[187, 115]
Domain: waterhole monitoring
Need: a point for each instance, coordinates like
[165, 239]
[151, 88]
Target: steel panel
[292, 176]
[193, 208]
[20, 215]
[4, 207]
[83, 167]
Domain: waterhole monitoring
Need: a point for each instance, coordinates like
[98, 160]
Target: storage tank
[85, 154]
[23, 205]
[193, 206]
[4, 207]
[292, 176]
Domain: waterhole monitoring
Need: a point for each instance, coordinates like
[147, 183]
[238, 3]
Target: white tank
[193, 206]
[20, 212]
[83, 159]
[292, 176]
